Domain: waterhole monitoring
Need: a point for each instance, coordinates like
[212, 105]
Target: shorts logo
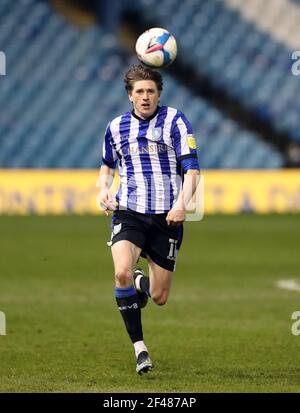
[192, 142]
[156, 134]
[117, 229]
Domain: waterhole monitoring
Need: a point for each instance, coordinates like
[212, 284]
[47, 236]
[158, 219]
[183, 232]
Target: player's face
[144, 97]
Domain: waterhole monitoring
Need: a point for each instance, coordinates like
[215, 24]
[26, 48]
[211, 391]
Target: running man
[159, 171]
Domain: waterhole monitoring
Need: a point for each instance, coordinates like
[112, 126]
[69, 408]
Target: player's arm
[186, 153]
[176, 215]
[107, 172]
[106, 178]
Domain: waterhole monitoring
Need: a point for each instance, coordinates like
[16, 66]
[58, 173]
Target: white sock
[139, 346]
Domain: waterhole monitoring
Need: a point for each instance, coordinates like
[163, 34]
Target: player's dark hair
[139, 72]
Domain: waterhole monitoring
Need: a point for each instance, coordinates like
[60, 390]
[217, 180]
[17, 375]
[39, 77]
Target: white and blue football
[156, 47]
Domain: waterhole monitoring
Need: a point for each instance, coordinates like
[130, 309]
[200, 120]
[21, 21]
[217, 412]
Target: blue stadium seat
[210, 35]
[67, 84]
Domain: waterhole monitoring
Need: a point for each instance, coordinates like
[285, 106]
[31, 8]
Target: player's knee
[123, 278]
[160, 298]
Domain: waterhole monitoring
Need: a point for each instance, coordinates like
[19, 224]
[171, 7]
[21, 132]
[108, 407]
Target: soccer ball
[156, 47]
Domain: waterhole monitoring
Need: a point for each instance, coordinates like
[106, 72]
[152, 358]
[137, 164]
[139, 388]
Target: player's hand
[175, 217]
[107, 202]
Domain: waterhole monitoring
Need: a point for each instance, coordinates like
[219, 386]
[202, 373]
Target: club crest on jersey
[156, 134]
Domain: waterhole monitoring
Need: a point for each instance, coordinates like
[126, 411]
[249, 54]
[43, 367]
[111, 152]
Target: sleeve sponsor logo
[192, 142]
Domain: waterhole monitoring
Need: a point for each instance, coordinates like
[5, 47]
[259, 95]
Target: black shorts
[151, 233]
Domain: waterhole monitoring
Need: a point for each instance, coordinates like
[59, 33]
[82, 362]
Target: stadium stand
[65, 83]
[258, 73]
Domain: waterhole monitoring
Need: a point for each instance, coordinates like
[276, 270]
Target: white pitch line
[290, 285]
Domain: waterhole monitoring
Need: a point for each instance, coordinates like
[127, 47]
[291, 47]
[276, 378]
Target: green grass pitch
[226, 327]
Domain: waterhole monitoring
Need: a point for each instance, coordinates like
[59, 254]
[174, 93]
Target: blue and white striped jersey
[152, 154]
